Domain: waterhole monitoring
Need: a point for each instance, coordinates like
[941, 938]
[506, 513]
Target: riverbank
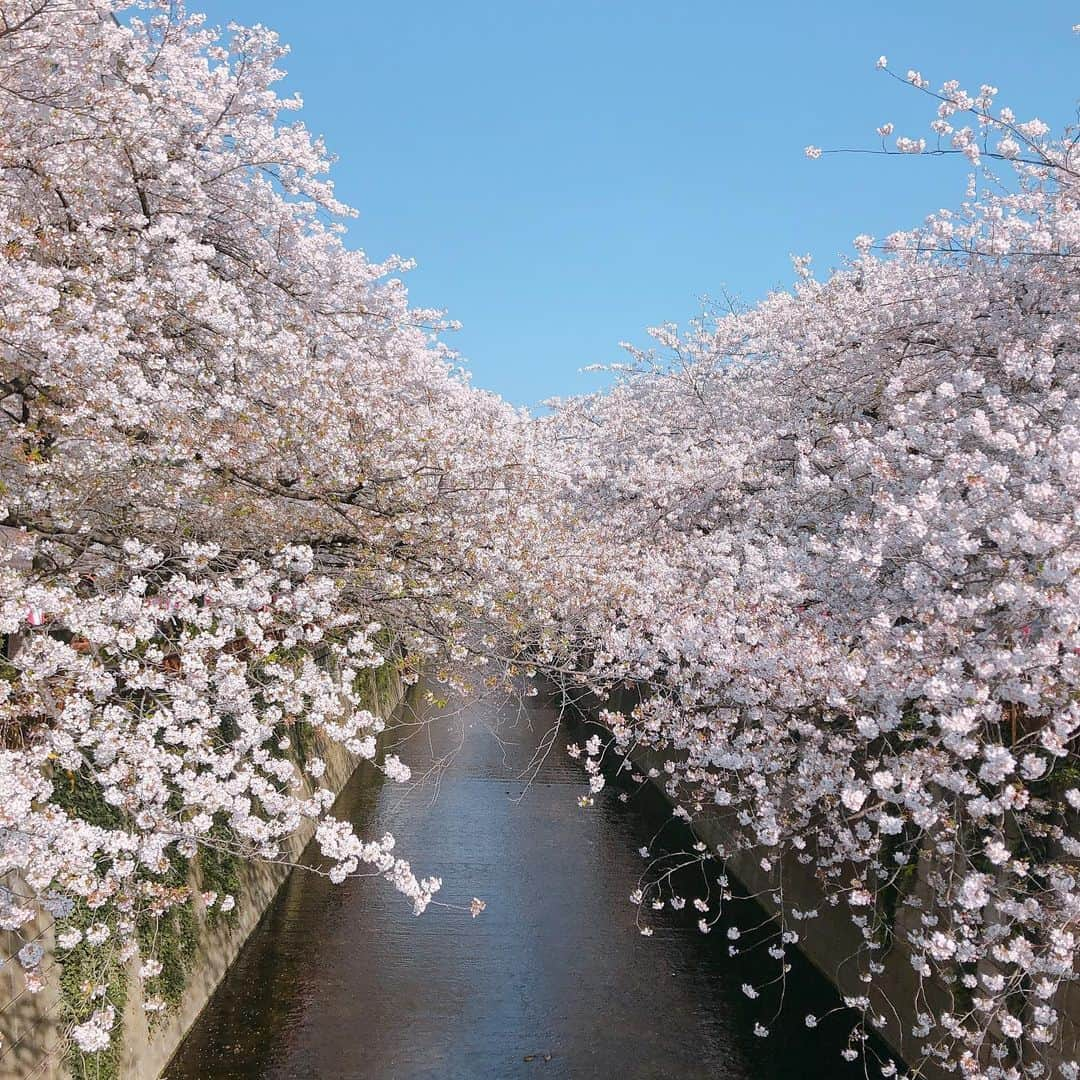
[32, 1026]
[553, 978]
[835, 944]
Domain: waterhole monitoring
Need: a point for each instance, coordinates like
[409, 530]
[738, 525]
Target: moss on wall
[172, 939]
[84, 971]
[219, 871]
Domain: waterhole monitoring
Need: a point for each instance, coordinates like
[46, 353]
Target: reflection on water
[552, 980]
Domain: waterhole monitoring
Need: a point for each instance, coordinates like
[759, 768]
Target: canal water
[552, 980]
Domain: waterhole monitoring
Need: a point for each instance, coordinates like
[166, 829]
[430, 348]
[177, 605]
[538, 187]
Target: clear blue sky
[567, 173]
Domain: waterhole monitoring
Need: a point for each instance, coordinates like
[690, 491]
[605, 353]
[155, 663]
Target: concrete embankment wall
[32, 1026]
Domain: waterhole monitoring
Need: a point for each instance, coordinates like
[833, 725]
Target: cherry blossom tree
[839, 556]
[237, 472]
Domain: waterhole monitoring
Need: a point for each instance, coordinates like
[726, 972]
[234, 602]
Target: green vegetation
[219, 870]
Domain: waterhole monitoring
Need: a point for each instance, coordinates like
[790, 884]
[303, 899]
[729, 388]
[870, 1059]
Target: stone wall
[32, 1043]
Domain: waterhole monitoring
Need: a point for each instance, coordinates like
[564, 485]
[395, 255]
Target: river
[552, 980]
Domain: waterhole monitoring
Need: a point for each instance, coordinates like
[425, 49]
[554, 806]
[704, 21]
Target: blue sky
[570, 172]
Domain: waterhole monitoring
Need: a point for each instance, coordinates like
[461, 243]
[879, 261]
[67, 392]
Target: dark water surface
[553, 980]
